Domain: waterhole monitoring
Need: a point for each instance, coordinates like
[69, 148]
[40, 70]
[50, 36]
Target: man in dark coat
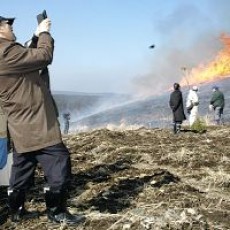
[217, 104]
[66, 117]
[176, 104]
[32, 122]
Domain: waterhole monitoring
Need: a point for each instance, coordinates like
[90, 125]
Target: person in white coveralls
[192, 104]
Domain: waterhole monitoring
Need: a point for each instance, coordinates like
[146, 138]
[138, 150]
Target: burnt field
[142, 179]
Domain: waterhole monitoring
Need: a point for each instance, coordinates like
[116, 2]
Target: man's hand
[211, 107]
[44, 26]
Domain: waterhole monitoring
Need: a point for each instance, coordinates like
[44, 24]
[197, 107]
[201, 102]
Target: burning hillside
[217, 69]
[143, 179]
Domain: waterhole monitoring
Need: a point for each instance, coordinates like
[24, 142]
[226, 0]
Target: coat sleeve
[19, 59]
[192, 99]
[195, 99]
[223, 100]
[189, 100]
[213, 99]
[32, 43]
[171, 105]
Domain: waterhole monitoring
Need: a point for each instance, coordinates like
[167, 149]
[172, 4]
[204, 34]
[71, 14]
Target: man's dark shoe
[22, 214]
[16, 208]
[57, 208]
[65, 217]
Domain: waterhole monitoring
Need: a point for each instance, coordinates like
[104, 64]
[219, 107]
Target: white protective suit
[192, 101]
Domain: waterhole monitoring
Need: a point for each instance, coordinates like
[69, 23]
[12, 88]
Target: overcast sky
[103, 45]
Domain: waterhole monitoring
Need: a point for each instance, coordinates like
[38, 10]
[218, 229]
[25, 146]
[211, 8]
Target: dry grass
[141, 179]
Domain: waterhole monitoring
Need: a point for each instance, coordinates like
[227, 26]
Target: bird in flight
[152, 46]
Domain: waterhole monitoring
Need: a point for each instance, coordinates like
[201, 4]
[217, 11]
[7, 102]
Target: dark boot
[178, 128]
[17, 212]
[174, 128]
[57, 211]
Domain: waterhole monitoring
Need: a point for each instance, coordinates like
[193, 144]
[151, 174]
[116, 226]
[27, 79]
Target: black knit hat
[176, 86]
[9, 20]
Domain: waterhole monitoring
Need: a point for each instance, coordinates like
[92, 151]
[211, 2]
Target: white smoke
[188, 37]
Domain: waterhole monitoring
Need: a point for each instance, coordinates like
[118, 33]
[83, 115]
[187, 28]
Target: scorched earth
[142, 179]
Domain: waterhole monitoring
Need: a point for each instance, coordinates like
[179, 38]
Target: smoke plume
[190, 35]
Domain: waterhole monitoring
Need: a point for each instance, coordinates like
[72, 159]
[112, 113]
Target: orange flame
[217, 69]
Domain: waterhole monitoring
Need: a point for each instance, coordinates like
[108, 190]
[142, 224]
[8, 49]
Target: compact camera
[42, 16]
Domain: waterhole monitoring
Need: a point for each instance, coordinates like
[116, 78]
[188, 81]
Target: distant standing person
[176, 104]
[217, 104]
[66, 117]
[192, 103]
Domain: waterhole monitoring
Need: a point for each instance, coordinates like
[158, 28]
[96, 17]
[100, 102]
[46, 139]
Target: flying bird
[152, 46]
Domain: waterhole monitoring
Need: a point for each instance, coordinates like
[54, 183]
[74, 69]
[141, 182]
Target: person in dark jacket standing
[32, 123]
[66, 117]
[176, 104]
[217, 104]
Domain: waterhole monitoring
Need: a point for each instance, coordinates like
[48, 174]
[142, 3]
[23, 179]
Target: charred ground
[143, 179]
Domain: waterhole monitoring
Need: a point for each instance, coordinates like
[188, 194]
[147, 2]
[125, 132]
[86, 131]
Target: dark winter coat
[24, 96]
[217, 99]
[176, 104]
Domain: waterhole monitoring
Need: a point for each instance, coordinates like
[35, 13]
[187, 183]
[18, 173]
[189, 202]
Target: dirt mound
[142, 179]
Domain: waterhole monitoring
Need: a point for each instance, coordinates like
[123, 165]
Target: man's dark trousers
[55, 162]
